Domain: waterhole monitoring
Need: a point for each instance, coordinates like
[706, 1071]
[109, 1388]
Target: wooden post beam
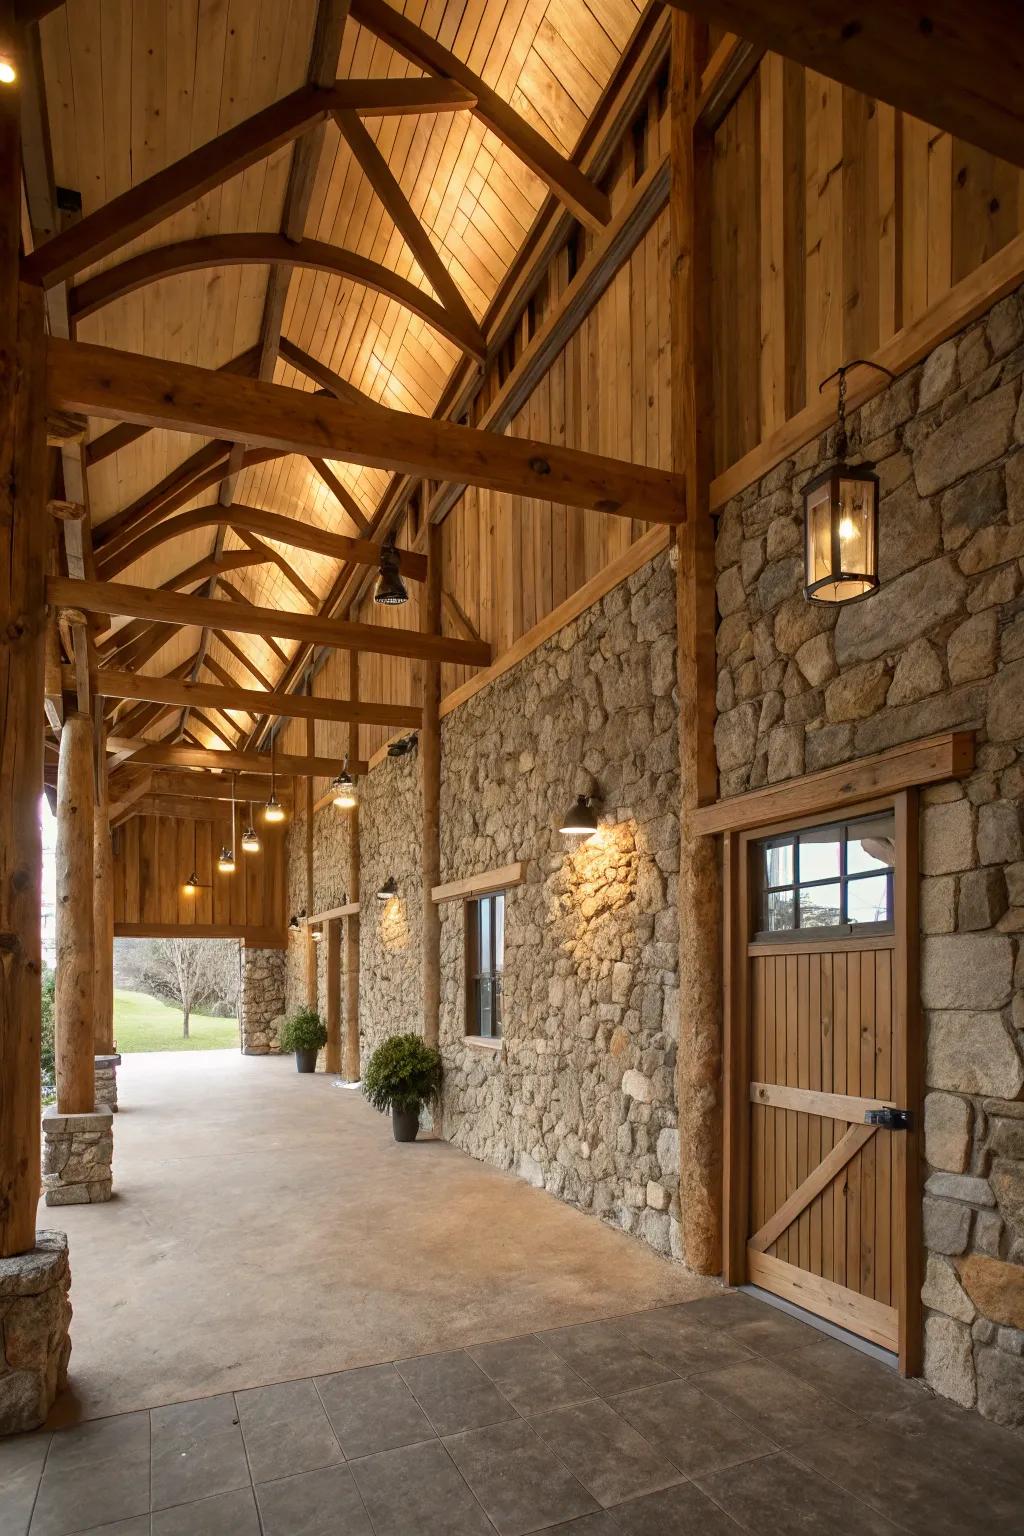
[430, 771]
[352, 923]
[152, 754]
[102, 898]
[74, 997]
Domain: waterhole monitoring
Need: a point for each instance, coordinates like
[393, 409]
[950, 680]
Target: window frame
[844, 929]
[477, 976]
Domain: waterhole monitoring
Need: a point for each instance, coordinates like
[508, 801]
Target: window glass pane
[499, 933]
[867, 899]
[483, 908]
[871, 845]
[819, 854]
[485, 1009]
[820, 906]
[778, 914]
[778, 864]
[498, 1005]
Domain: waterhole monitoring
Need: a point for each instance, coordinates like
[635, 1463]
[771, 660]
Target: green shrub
[403, 1073]
[46, 1054]
[303, 1032]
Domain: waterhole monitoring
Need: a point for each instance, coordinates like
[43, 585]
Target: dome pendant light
[345, 790]
[579, 820]
[273, 811]
[390, 588]
[250, 837]
[193, 885]
[226, 862]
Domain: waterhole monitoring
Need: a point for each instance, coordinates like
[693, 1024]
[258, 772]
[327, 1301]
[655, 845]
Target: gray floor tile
[454, 1392]
[418, 1491]
[683, 1345]
[295, 1445]
[321, 1503]
[776, 1333]
[191, 1467]
[273, 1405]
[22, 1455]
[773, 1401]
[229, 1514]
[91, 1493]
[17, 1496]
[721, 1311]
[372, 1410]
[863, 1385]
[204, 1416]
[775, 1494]
[138, 1526]
[520, 1483]
[682, 1511]
[588, 1525]
[694, 1432]
[605, 1356]
[530, 1374]
[610, 1459]
[124, 1438]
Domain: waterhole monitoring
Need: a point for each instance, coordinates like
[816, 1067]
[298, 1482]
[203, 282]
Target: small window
[832, 880]
[485, 965]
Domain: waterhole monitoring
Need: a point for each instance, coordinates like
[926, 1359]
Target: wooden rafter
[116, 438]
[235, 650]
[122, 386]
[158, 755]
[343, 497]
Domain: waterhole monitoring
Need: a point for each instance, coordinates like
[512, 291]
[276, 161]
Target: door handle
[889, 1119]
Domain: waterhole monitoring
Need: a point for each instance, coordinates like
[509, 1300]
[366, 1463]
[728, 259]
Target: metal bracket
[889, 1119]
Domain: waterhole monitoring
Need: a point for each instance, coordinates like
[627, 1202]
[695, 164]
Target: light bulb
[273, 810]
[226, 862]
[250, 841]
[8, 73]
[846, 528]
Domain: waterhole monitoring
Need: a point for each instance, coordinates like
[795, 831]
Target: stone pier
[106, 1081]
[34, 1346]
[261, 1003]
[77, 1155]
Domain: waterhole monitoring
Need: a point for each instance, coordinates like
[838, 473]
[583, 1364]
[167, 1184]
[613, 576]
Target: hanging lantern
[841, 519]
[579, 820]
[226, 861]
[273, 811]
[345, 790]
[390, 588]
[250, 840]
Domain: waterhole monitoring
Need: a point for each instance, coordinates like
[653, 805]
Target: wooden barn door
[822, 983]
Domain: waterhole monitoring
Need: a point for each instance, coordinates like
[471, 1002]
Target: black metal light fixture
[579, 820]
[226, 861]
[403, 746]
[841, 517]
[192, 885]
[390, 588]
[273, 811]
[388, 890]
[250, 837]
[296, 922]
[344, 789]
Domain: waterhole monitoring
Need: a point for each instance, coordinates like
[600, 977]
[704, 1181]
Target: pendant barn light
[193, 885]
[273, 810]
[388, 890]
[226, 861]
[841, 518]
[579, 820]
[390, 588]
[250, 837]
[345, 789]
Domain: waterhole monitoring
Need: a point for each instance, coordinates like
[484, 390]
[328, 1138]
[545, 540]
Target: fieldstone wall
[580, 1098]
[940, 646]
[78, 1151]
[331, 832]
[35, 1314]
[390, 951]
[105, 1068]
[261, 1001]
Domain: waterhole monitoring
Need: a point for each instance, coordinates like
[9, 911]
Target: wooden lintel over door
[821, 1189]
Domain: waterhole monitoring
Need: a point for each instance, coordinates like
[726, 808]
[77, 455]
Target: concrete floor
[265, 1227]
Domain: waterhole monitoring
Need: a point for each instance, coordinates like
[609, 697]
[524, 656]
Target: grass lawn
[143, 1023]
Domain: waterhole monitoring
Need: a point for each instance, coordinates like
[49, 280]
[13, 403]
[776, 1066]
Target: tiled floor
[713, 1417]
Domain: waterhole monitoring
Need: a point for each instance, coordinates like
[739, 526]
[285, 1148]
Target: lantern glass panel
[819, 534]
[841, 537]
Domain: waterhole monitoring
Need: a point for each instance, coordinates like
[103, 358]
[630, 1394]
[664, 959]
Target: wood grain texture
[73, 1006]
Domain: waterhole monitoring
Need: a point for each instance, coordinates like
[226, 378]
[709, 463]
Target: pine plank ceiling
[133, 85]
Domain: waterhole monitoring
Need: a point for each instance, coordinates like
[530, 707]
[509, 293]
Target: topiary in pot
[304, 1034]
[402, 1075]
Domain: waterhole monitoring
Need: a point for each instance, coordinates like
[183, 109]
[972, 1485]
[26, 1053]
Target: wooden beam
[729, 68]
[502, 879]
[214, 811]
[326, 377]
[587, 202]
[341, 495]
[152, 201]
[102, 898]
[286, 530]
[430, 783]
[264, 553]
[194, 784]
[156, 755]
[73, 1005]
[241, 657]
[115, 597]
[956, 66]
[116, 438]
[163, 690]
[352, 952]
[124, 386]
[261, 249]
[259, 938]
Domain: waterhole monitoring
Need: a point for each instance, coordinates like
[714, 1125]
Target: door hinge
[889, 1119]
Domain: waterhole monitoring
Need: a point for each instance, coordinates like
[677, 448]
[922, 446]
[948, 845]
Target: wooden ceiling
[132, 86]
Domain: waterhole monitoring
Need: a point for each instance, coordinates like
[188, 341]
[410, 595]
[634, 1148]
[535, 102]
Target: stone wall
[940, 646]
[580, 1098]
[331, 830]
[390, 951]
[261, 1000]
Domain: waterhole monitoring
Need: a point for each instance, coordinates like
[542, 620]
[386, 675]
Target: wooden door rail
[845, 1149]
[813, 1101]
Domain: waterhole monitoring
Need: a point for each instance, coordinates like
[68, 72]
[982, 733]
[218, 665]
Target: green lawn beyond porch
[143, 1023]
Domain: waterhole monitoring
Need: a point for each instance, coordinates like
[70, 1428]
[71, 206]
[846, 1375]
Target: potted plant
[304, 1034]
[402, 1075]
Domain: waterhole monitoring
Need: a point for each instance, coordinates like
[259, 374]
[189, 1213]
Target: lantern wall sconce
[344, 789]
[841, 517]
[389, 890]
[579, 820]
[297, 921]
[193, 885]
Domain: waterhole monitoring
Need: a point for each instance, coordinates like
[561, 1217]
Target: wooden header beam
[115, 597]
[956, 66]
[203, 785]
[154, 754]
[100, 381]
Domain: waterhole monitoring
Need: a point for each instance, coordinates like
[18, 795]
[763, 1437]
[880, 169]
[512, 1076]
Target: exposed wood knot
[10, 944]
[607, 506]
[540, 466]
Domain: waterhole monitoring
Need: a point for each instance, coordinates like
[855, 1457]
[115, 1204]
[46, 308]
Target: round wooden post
[352, 923]
[430, 768]
[73, 998]
[332, 939]
[103, 905]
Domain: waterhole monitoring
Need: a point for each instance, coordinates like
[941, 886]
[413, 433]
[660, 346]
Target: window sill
[482, 1043]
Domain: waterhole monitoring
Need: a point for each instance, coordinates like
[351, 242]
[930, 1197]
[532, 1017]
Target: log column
[699, 1069]
[430, 769]
[332, 939]
[74, 996]
[352, 923]
[311, 955]
[103, 900]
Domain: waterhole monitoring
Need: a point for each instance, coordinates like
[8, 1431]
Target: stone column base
[106, 1081]
[34, 1344]
[77, 1154]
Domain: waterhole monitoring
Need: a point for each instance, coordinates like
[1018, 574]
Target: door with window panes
[825, 1187]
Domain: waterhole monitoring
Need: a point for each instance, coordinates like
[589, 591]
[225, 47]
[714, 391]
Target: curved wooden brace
[269, 250]
[285, 529]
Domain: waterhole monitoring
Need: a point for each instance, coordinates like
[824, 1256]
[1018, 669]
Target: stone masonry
[261, 1001]
[77, 1154]
[106, 1081]
[580, 1099]
[390, 952]
[940, 646]
[35, 1313]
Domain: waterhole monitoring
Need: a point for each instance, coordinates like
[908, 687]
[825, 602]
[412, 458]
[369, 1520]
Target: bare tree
[185, 967]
